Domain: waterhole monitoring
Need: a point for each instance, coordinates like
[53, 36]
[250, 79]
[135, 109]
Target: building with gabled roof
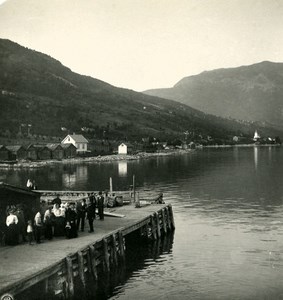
[43, 152]
[69, 150]
[5, 154]
[57, 151]
[18, 151]
[125, 148]
[31, 152]
[78, 140]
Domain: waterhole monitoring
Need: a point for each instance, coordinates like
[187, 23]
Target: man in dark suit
[100, 205]
[81, 211]
[91, 208]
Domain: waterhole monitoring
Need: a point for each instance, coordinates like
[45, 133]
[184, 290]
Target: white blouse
[58, 212]
[12, 219]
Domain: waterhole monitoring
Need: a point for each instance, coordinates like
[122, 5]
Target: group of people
[53, 220]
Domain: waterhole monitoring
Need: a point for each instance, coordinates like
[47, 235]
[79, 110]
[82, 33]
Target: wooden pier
[59, 266]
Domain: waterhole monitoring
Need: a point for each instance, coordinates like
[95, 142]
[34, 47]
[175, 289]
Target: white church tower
[256, 136]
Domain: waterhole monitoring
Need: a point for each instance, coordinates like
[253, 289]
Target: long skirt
[12, 235]
[71, 231]
[59, 226]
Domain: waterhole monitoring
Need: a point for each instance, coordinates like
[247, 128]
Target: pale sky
[143, 44]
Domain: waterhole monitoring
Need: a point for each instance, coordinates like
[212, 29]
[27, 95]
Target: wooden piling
[46, 285]
[168, 218]
[134, 188]
[115, 259]
[88, 258]
[121, 245]
[157, 225]
[164, 221]
[153, 227]
[172, 216]
[93, 261]
[81, 267]
[70, 277]
[106, 255]
[110, 186]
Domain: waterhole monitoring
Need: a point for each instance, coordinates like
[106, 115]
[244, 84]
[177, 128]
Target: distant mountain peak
[251, 92]
[38, 90]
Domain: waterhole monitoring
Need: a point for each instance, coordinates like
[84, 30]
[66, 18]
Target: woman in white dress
[12, 232]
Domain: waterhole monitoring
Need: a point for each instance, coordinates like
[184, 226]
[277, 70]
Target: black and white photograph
[140, 149]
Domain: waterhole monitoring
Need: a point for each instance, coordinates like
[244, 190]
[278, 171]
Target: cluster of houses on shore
[71, 146]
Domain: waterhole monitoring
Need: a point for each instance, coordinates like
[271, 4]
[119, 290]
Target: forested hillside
[38, 90]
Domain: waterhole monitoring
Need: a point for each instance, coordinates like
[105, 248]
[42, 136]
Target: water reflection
[256, 156]
[122, 168]
[228, 208]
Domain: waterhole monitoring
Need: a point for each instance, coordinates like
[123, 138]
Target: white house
[78, 140]
[122, 149]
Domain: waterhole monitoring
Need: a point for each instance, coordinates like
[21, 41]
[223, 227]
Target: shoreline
[242, 146]
[93, 159]
[118, 157]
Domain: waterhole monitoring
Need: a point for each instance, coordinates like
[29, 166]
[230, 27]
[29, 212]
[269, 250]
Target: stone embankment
[94, 159]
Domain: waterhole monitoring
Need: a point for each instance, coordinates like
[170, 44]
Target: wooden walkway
[24, 265]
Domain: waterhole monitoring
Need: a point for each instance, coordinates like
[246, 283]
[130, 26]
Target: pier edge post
[171, 216]
[115, 259]
[121, 245]
[93, 261]
[70, 277]
[157, 224]
[106, 255]
[81, 267]
[168, 217]
[153, 228]
[164, 221]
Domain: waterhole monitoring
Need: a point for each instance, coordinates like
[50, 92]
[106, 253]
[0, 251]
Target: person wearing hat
[91, 208]
[100, 205]
[71, 217]
[57, 200]
[81, 210]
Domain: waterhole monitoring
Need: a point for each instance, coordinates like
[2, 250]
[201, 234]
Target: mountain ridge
[251, 93]
[38, 90]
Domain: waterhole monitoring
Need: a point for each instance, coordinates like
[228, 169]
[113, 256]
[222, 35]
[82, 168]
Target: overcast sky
[143, 44]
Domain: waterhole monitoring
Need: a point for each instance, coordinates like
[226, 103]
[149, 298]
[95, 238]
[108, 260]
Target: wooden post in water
[106, 255]
[134, 188]
[121, 245]
[88, 261]
[168, 218]
[115, 259]
[153, 228]
[110, 186]
[70, 277]
[81, 267]
[93, 261]
[157, 224]
[46, 285]
[164, 221]
[172, 217]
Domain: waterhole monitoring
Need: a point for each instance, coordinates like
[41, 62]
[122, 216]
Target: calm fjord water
[228, 208]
